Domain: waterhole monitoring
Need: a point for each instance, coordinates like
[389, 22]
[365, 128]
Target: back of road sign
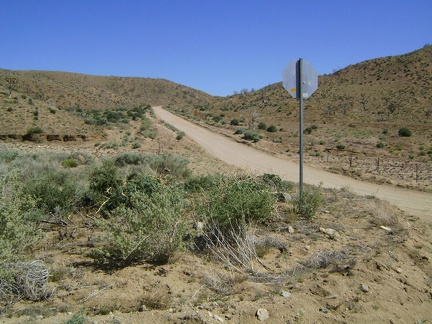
[309, 78]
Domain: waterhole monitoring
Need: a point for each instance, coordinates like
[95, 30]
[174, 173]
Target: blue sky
[217, 46]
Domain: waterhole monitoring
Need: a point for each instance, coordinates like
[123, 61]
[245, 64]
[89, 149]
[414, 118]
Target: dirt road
[413, 202]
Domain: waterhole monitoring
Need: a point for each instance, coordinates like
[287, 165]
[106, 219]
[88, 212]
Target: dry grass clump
[30, 282]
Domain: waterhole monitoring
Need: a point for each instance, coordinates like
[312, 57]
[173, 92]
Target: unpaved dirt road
[413, 202]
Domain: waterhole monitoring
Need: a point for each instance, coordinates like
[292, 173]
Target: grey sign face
[309, 78]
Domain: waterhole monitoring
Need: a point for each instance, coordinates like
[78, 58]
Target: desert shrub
[77, 318]
[70, 163]
[130, 158]
[250, 135]
[104, 177]
[275, 181]
[136, 145]
[200, 183]
[380, 145]
[233, 203]
[169, 166]
[180, 135]
[239, 131]
[29, 281]
[262, 125]
[307, 130]
[309, 201]
[340, 147]
[404, 132]
[55, 189]
[104, 181]
[272, 129]
[234, 122]
[7, 156]
[145, 124]
[150, 228]
[34, 130]
[17, 231]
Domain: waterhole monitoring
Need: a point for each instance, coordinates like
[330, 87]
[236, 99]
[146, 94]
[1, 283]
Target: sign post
[301, 80]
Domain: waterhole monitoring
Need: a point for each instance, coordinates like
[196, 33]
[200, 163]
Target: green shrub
[70, 163]
[233, 203]
[234, 122]
[150, 228]
[404, 132]
[200, 183]
[380, 145]
[18, 232]
[180, 135]
[105, 180]
[77, 318]
[309, 201]
[340, 147]
[169, 166]
[136, 145]
[130, 158]
[34, 130]
[7, 156]
[272, 129]
[262, 126]
[250, 135]
[239, 131]
[275, 182]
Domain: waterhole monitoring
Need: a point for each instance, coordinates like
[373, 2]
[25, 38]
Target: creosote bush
[149, 227]
[404, 132]
[232, 204]
[309, 201]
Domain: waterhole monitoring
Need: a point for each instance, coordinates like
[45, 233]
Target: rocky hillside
[391, 89]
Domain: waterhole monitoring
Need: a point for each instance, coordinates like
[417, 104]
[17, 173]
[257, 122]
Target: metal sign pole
[301, 116]
[300, 80]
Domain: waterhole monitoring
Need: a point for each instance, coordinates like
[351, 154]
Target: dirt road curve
[413, 202]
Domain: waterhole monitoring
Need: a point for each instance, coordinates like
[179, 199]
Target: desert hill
[385, 90]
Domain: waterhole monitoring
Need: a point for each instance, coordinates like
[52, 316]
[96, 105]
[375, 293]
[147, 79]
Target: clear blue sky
[217, 46]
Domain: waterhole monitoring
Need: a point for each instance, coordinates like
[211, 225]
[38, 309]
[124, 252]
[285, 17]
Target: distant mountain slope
[87, 91]
[390, 89]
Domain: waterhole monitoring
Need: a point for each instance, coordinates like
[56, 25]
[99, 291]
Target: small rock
[399, 270]
[286, 294]
[324, 310]
[286, 197]
[307, 247]
[290, 229]
[364, 287]
[332, 297]
[217, 318]
[143, 308]
[330, 232]
[387, 229]
[262, 314]
[199, 226]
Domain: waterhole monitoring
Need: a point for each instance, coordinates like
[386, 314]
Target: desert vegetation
[99, 216]
[132, 210]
